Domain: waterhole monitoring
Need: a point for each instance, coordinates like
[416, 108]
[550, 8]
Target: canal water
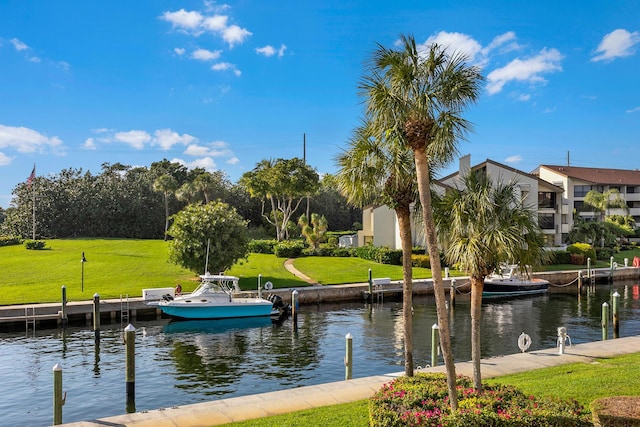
[179, 363]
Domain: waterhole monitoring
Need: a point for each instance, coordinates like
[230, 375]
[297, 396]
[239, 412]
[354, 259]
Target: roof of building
[598, 175]
[514, 170]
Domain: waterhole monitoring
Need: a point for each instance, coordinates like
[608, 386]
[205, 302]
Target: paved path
[278, 402]
[288, 264]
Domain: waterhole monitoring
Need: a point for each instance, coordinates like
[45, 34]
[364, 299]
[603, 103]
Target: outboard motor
[276, 300]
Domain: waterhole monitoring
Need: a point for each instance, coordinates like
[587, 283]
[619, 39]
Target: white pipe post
[348, 359]
[260, 286]
[58, 397]
[435, 340]
[616, 319]
[605, 321]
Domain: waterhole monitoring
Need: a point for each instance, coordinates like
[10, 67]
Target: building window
[615, 187]
[546, 221]
[581, 190]
[631, 189]
[578, 205]
[633, 204]
[546, 199]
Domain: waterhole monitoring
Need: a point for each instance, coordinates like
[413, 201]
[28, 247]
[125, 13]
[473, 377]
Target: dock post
[452, 293]
[64, 306]
[370, 286]
[579, 282]
[605, 321]
[611, 268]
[260, 286]
[96, 314]
[616, 319]
[294, 305]
[435, 340]
[58, 397]
[348, 359]
[130, 367]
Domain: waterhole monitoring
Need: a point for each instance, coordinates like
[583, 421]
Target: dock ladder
[124, 311]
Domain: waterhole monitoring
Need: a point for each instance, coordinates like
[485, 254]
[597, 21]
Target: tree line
[137, 202]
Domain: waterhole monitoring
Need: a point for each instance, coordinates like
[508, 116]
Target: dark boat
[509, 280]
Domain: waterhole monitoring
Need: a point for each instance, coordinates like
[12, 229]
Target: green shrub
[605, 253]
[381, 255]
[584, 249]
[422, 400]
[262, 246]
[10, 240]
[289, 249]
[332, 241]
[560, 257]
[36, 245]
[420, 261]
[344, 252]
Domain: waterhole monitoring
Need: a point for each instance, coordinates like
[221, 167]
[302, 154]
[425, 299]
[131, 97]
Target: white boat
[214, 299]
[509, 280]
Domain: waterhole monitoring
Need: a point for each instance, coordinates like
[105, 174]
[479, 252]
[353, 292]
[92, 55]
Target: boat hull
[514, 288]
[217, 311]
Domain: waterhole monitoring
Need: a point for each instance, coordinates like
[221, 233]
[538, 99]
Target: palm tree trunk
[477, 284]
[404, 223]
[422, 171]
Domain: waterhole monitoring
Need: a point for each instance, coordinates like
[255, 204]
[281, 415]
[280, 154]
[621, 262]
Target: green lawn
[581, 381]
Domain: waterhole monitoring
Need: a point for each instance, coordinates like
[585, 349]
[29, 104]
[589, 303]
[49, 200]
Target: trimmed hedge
[10, 240]
[423, 400]
[288, 249]
[262, 246]
[583, 249]
[35, 244]
[381, 255]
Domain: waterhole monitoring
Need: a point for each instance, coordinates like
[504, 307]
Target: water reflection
[185, 362]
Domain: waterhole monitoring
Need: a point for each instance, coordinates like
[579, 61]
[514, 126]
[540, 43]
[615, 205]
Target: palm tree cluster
[414, 97]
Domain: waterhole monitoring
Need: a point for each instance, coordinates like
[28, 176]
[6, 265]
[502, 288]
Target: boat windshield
[217, 284]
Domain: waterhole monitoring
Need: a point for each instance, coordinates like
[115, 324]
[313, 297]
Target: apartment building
[576, 182]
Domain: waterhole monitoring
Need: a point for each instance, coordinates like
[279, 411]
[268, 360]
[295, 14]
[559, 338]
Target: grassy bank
[583, 382]
[117, 267]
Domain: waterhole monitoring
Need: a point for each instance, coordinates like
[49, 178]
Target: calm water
[180, 363]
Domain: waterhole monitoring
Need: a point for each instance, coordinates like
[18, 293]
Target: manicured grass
[271, 268]
[584, 382]
[581, 381]
[114, 267]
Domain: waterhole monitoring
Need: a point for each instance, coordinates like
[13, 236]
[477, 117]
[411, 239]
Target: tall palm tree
[165, 184]
[372, 171]
[481, 226]
[419, 95]
[602, 202]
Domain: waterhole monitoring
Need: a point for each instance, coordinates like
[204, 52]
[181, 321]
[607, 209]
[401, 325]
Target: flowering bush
[423, 400]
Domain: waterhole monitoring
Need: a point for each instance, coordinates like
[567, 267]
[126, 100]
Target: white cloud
[456, 42]
[633, 110]
[183, 20]
[513, 159]
[205, 55]
[90, 144]
[267, 51]
[18, 44]
[166, 138]
[523, 97]
[196, 23]
[216, 23]
[5, 160]
[25, 140]
[617, 44]
[235, 35]
[233, 161]
[206, 163]
[213, 149]
[226, 66]
[179, 51]
[527, 70]
[135, 138]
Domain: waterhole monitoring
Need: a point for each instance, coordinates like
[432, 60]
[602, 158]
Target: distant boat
[509, 280]
[214, 299]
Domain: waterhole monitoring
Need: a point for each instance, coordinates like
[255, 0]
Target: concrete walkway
[288, 264]
[278, 402]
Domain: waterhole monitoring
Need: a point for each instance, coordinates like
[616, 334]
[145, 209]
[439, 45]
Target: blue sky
[225, 85]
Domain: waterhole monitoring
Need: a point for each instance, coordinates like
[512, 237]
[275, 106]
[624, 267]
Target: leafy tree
[283, 183]
[328, 202]
[314, 232]
[374, 171]
[165, 184]
[418, 94]
[215, 227]
[482, 226]
[602, 202]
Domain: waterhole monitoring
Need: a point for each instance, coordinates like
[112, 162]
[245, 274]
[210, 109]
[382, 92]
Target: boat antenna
[206, 262]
